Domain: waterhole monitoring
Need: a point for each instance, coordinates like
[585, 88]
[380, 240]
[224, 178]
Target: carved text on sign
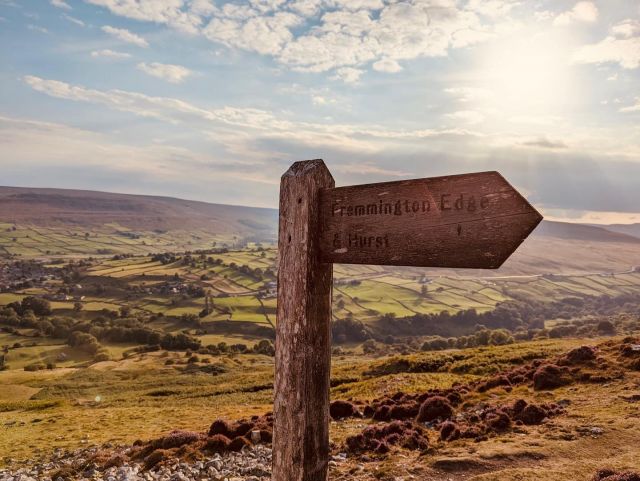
[469, 220]
[445, 203]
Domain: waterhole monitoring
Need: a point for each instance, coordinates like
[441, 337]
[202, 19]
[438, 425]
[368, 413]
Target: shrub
[101, 356]
[436, 407]
[38, 366]
[40, 307]
[606, 327]
[435, 344]
[264, 347]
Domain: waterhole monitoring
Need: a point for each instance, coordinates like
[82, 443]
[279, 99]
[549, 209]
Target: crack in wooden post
[303, 329]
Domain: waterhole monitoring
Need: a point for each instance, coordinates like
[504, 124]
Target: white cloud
[619, 47]
[262, 123]
[262, 34]
[75, 20]
[387, 65]
[109, 54]
[37, 28]
[60, 4]
[306, 8]
[468, 94]
[322, 100]
[161, 108]
[632, 108]
[125, 35]
[326, 35]
[543, 15]
[626, 29]
[369, 169]
[170, 12]
[466, 116]
[203, 8]
[47, 146]
[171, 73]
[402, 30]
[348, 75]
[492, 8]
[585, 11]
[544, 143]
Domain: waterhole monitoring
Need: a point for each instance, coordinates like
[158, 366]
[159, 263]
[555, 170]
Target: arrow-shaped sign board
[470, 220]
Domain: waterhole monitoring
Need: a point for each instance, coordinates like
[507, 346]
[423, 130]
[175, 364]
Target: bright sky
[212, 100]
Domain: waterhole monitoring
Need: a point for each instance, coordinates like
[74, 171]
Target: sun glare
[527, 76]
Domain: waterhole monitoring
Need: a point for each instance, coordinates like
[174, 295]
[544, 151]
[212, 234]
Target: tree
[190, 320]
[39, 306]
[606, 327]
[369, 346]
[436, 344]
[264, 347]
[84, 341]
[482, 337]
[345, 330]
[499, 337]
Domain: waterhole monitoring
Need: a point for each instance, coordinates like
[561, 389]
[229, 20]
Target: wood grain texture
[470, 220]
[303, 341]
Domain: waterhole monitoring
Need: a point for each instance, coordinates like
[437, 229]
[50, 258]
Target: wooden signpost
[471, 220]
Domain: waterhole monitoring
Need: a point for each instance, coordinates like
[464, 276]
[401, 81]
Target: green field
[361, 292]
[370, 296]
[35, 241]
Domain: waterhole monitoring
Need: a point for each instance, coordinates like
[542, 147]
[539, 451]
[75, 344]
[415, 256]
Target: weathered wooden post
[303, 331]
[464, 221]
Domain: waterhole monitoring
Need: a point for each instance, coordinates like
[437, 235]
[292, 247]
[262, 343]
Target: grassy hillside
[63, 221]
[628, 229]
[58, 222]
[108, 239]
[125, 400]
[589, 421]
[564, 230]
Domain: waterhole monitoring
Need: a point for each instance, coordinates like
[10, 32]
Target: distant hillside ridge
[76, 222]
[584, 232]
[47, 207]
[629, 229]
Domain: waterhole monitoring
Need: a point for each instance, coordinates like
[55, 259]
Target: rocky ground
[251, 464]
[583, 404]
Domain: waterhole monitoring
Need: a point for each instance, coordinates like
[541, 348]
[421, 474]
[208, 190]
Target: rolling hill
[47, 222]
[565, 230]
[629, 229]
[89, 209]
